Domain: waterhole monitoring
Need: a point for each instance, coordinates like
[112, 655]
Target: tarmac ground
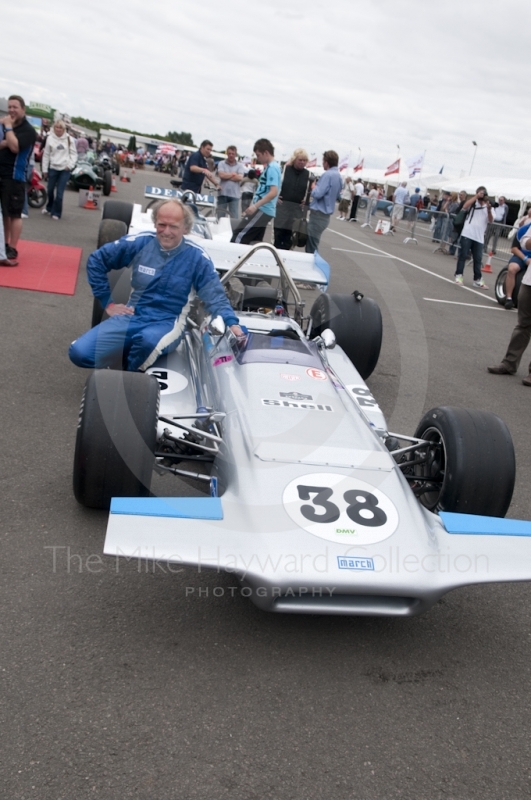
[120, 682]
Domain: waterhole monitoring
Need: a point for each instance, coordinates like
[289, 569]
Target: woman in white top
[58, 161]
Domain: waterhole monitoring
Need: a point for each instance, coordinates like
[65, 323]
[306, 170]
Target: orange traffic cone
[90, 199]
[113, 185]
[379, 228]
[124, 178]
[487, 267]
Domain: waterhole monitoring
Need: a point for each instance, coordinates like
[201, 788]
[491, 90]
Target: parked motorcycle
[37, 194]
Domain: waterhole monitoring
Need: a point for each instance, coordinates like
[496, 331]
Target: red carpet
[43, 268]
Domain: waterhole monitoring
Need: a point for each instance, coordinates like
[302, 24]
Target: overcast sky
[342, 75]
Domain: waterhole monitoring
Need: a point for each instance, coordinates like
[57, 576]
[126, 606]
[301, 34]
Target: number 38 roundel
[340, 509]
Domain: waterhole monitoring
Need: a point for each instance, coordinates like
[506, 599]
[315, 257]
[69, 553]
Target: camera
[492, 202]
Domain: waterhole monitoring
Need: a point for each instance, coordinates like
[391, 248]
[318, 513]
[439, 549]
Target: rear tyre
[110, 230]
[118, 209]
[470, 459]
[499, 287]
[37, 197]
[116, 437]
[357, 324]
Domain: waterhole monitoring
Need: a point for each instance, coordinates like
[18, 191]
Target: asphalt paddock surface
[126, 680]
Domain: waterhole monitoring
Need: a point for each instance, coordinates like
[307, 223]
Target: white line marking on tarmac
[410, 264]
[455, 303]
[362, 252]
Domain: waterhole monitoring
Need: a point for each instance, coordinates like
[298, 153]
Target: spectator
[41, 139]
[359, 191]
[262, 210]
[473, 236]
[152, 323]
[16, 148]
[248, 187]
[499, 217]
[231, 174]
[4, 260]
[399, 198]
[457, 227]
[345, 198]
[441, 221]
[374, 194]
[82, 146]
[323, 200]
[450, 207]
[522, 333]
[58, 161]
[196, 169]
[519, 261]
[415, 199]
[293, 194]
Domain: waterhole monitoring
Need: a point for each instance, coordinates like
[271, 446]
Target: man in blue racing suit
[166, 267]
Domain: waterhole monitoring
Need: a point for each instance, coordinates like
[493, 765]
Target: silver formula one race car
[308, 500]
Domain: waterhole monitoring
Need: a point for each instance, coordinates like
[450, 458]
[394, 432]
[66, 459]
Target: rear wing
[308, 268]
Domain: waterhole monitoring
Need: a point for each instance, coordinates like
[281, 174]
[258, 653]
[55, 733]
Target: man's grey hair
[187, 212]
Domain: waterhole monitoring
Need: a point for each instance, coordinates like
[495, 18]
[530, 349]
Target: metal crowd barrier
[365, 211]
[404, 221]
[498, 241]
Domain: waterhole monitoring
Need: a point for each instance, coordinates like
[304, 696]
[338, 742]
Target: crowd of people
[289, 197]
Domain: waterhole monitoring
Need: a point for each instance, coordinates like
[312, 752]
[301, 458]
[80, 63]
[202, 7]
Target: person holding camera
[473, 236]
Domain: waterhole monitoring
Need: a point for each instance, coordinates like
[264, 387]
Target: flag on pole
[359, 166]
[441, 170]
[393, 168]
[414, 165]
[312, 163]
[344, 162]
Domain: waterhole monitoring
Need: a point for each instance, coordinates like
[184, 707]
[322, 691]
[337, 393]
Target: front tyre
[37, 197]
[116, 437]
[470, 460]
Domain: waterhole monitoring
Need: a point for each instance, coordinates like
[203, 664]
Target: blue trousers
[57, 180]
[468, 245]
[126, 340]
[228, 205]
[317, 224]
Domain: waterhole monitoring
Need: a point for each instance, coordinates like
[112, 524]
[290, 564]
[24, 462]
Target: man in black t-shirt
[16, 147]
[196, 169]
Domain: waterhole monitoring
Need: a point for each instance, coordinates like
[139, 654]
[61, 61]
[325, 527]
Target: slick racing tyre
[119, 279]
[357, 324]
[499, 287]
[470, 459]
[118, 209]
[107, 182]
[116, 437]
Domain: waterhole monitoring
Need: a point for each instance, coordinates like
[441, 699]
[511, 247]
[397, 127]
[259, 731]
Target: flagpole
[422, 167]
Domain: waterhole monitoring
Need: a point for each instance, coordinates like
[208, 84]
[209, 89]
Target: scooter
[37, 194]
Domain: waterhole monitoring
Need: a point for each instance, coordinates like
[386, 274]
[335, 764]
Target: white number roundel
[340, 508]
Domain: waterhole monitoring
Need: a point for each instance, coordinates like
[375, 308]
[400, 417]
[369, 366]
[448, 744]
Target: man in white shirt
[399, 198]
[231, 174]
[499, 217]
[473, 236]
[359, 191]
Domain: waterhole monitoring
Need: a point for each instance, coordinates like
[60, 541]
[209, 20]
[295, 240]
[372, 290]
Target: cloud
[343, 75]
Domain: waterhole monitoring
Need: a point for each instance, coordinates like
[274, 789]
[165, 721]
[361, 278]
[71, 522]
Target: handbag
[299, 228]
[299, 235]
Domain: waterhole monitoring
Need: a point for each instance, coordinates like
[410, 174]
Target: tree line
[172, 136]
